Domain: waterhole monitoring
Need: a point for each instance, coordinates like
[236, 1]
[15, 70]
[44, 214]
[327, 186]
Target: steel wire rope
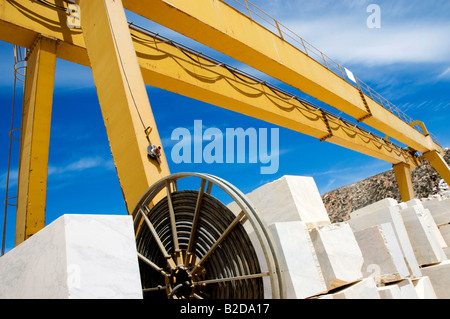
[18, 58]
[52, 5]
[240, 75]
[146, 128]
[219, 242]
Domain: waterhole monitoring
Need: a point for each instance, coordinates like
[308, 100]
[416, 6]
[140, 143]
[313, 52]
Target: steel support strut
[35, 139]
[404, 180]
[126, 110]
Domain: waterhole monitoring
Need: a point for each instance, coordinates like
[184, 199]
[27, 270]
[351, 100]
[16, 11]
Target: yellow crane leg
[123, 98]
[439, 164]
[404, 180]
[35, 139]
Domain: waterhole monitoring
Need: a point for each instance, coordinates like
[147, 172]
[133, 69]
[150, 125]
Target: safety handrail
[271, 24]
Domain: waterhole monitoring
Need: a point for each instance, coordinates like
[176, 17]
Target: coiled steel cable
[221, 263]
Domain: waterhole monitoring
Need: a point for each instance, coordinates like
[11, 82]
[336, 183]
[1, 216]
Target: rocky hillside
[341, 202]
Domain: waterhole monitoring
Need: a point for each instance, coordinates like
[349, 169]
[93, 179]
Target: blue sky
[407, 60]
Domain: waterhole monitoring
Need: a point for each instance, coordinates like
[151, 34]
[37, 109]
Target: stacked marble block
[75, 257]
[385, 251]
[319, 258]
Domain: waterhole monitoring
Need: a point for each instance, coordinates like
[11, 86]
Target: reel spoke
[192, 246]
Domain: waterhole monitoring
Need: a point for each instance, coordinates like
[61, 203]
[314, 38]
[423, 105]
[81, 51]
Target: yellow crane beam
[172, 68]
[123, 98]
[163, 65]
[35, 139]
[221, 27]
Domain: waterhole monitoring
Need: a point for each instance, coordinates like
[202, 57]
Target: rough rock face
[342, 201]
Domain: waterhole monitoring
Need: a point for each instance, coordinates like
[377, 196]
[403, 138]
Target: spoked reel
[191, 246]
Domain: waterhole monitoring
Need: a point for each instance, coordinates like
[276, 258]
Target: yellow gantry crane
[124, 58]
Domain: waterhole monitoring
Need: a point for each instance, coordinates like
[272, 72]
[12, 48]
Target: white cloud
[445, 74]
[13, 177]
[338, 38]
[81, 165]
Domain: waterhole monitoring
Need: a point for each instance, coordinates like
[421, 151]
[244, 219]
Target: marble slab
[383, 259]
[365, 289]
[440, 210]
[390, 215]
[440, 278]
[424, 288]
[302, 270]
[75, 257]
[426, 246]
[339, 255]
[291, 198]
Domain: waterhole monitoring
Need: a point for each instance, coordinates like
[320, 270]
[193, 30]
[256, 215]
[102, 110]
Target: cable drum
[190, 245]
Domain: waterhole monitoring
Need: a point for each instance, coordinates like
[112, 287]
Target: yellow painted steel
[404, 180]
[221, 27]
[166, 67]
[126, 110]
[122, 65]
[35, 139]
[439, 164]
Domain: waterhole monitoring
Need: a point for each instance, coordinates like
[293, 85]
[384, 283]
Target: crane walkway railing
[273, 25]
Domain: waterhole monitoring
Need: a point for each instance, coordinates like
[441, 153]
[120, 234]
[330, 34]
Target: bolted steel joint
[154, 151]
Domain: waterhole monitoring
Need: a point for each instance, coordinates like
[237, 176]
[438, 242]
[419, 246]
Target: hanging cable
[18, 58]
[51, 5]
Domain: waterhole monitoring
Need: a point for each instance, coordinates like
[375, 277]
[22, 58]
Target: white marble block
[301, 267]
[291, 198]
[387, 202]
[447, 252]
[365, 289]
[424, 288]
[445, 232]
[339, 255]
[390, 292]
[407, 289]
[389, 215]
[426, 246]
[428, 220]
[440, 278]
[383, 258]
[75, 257]
[440, 210]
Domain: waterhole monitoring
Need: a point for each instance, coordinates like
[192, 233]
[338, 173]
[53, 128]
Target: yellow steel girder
[126, 110]
[35, 139]
[164, 66]
[221, 27]
[402, 173]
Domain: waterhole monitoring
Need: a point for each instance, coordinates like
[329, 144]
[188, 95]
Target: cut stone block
[301, 267]
[425, 245]
[365, 289]
[339, 255]
[383, 258]
[445, 232]
[75, 257]
[387, 202]
[424, 288]
[390, 292]
[428, 219]
[440, 278]
[291, 198]
[407, 289]
[390, 215]
[440, 210]
[447, 252]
